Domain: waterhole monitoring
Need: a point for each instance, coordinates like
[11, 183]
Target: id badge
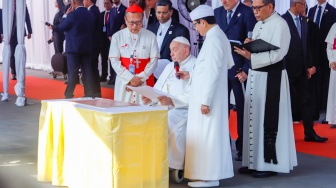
[104, 29]
[131, 68]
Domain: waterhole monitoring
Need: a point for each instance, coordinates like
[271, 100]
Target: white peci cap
[201, 11]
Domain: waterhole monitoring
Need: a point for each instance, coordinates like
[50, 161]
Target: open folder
[149, 92]
[255, 46]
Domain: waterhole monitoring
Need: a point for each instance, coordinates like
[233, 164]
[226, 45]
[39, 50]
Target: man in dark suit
[58, 37]
[236, 20]
[91, 6]
[13, 39]
[78, 29]
[298, 62]
[116, 23]
[324, 15]
[105, 41]
[166, 29]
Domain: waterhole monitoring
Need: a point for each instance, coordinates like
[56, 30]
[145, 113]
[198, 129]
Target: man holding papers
[178, 106]
[268, 144]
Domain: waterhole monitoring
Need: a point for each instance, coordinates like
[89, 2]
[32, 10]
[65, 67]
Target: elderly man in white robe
[331, 52]
[208, 152]
[269, 145]
[170, 83]
[133, 53]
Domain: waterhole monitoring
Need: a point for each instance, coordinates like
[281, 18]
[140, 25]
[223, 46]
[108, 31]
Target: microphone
[177, 69]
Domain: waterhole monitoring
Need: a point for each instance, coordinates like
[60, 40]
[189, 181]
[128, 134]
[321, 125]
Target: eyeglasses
[304, 4]
[164, 13]
[257, 8]
[136, 23]
[196, 22]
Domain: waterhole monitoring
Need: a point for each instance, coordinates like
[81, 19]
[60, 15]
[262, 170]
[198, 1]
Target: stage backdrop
[39, 52]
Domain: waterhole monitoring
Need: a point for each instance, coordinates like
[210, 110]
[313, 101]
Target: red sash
[126, 62]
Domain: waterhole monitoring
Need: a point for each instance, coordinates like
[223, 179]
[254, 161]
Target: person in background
[236, 20]
[13, 39]
[58, 37]
[166, 30]
[91, 6]
[324, 16]
[331, 51]
[77, 24]
[298, 64]
[116, 23]
[105, 41]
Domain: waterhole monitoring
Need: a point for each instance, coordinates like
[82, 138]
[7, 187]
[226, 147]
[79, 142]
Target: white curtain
[39, 52]
[7, 20]
[20, 50]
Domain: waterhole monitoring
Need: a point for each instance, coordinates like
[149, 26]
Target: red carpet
[327, 149]
[42, 89]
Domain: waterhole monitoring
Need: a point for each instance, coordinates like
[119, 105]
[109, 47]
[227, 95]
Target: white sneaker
[203, 183]
[4, 97]
[21, 101]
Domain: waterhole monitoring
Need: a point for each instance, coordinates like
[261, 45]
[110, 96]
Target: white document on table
[149, 92]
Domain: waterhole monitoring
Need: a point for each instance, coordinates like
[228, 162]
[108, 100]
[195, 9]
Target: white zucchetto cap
[182, 40]
[201, 11]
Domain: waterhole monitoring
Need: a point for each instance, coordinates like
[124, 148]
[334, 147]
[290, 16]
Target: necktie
[318, 16]
[298, 25]
[229, 16]
[106, 17]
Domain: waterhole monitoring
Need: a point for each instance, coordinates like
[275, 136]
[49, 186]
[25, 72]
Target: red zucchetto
[134, 8]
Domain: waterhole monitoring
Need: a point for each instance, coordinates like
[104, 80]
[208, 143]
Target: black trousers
[76, 61]
[301, 102]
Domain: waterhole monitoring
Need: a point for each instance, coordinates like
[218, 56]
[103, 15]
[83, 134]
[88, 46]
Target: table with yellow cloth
[88, 143]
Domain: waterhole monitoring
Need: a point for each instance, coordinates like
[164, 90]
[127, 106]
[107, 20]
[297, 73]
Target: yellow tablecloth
[81, 146]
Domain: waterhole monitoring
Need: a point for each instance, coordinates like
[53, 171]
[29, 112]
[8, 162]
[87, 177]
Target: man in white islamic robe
[208, 152]
[178, 105]
[269, 145]
[331, 52]
[133, 53]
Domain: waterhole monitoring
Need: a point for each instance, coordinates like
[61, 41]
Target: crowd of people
[272, 88]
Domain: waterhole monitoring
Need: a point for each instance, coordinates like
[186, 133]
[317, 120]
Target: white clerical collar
[269, 18]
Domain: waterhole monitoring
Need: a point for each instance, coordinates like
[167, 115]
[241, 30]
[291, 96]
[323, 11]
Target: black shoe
[324, 121]
[13, 77]
[103, 79]
[245, 170]
[315, 138]
[110, 82]
[238, 156]
[264, 174]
